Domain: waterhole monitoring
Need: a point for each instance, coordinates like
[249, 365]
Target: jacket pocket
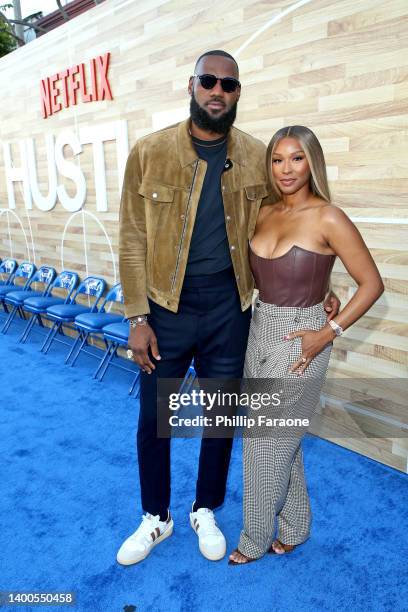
[156, 192]
[158, 204]
[256, 192]
[254, 196]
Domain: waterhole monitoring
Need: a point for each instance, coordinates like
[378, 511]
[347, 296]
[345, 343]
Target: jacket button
[263, 360]
[232, 247]
[296, 319]
[154, 195]
[237, 277]
[182, 216]
[228, 218]
[167, 302]
[223, 187]
[257, 304]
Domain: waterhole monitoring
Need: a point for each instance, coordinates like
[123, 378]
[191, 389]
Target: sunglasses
[208, 81]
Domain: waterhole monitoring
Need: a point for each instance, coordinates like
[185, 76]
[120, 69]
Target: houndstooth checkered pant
[274, 481]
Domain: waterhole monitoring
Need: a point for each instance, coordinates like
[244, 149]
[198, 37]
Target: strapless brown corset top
[297, 278]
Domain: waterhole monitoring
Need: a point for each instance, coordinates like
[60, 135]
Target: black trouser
[210, 327]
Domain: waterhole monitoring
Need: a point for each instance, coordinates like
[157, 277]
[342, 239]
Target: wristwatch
[338, 330]
[139, 320]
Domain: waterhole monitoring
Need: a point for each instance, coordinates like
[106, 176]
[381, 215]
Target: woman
[292, 253]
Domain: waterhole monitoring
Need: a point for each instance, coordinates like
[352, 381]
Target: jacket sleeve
[132, 240]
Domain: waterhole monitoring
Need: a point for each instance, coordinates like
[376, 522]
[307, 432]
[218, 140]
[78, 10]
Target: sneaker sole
[205, 554]
[162, 537]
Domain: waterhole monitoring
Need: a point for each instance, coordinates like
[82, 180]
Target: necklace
[208, 146]
[213, 145]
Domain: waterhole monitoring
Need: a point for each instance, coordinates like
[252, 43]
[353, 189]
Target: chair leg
[50, 331]
[28, 327]
[85, 336]
[188, 381]
[61, 331]
[73, 347]
[135, 380]
[103, 360]
[9, 320]
[50, 338]
[114, 348]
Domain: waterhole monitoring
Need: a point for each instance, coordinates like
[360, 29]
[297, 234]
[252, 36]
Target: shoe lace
[207, 523]
[148, 524]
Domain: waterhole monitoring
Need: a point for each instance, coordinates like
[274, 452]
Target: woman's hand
[312, 343]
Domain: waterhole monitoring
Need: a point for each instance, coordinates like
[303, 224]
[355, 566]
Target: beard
[207, 122]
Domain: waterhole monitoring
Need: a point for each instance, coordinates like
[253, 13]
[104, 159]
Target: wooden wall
[338, 67]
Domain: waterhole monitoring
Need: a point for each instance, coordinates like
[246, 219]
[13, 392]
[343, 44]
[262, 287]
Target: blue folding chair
[45, 275]
[91, 323]
[26, 271]
[64, 314]
[116, 335]
[37, 306]
[7, 268]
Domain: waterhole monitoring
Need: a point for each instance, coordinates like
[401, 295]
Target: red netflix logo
[73, 81]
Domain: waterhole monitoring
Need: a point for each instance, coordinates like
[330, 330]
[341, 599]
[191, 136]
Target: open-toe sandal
[248, 559]
[288, 548]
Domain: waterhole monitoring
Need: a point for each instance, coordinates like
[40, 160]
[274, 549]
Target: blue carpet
[70, 495]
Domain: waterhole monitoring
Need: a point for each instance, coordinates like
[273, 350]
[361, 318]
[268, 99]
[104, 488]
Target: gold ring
[129, 354]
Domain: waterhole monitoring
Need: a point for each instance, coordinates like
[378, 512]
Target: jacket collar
[187, 153]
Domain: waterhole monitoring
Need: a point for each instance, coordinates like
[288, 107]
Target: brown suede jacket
[161, 190]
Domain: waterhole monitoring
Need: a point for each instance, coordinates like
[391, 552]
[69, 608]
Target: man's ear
[190, 85]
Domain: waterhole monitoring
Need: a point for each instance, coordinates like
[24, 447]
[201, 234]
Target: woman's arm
[346, 241]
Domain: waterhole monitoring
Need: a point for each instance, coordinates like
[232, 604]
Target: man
[190, 199]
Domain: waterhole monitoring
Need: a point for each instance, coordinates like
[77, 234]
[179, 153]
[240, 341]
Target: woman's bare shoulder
[331, 213]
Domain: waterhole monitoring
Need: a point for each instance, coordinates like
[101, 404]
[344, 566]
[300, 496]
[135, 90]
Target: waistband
[298, 312]
[218, 279]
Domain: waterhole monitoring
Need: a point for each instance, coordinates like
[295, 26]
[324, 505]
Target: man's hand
[331, 305]
[141, 338]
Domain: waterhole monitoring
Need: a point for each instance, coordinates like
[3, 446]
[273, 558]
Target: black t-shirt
[209, 249]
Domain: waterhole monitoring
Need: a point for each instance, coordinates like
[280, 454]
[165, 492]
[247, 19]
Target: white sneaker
[211, 541]
[150, 532]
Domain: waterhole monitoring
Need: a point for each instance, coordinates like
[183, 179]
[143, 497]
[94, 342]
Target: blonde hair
[314, 154]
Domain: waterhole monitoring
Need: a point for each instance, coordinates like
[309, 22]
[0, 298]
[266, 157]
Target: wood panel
[340, 68]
